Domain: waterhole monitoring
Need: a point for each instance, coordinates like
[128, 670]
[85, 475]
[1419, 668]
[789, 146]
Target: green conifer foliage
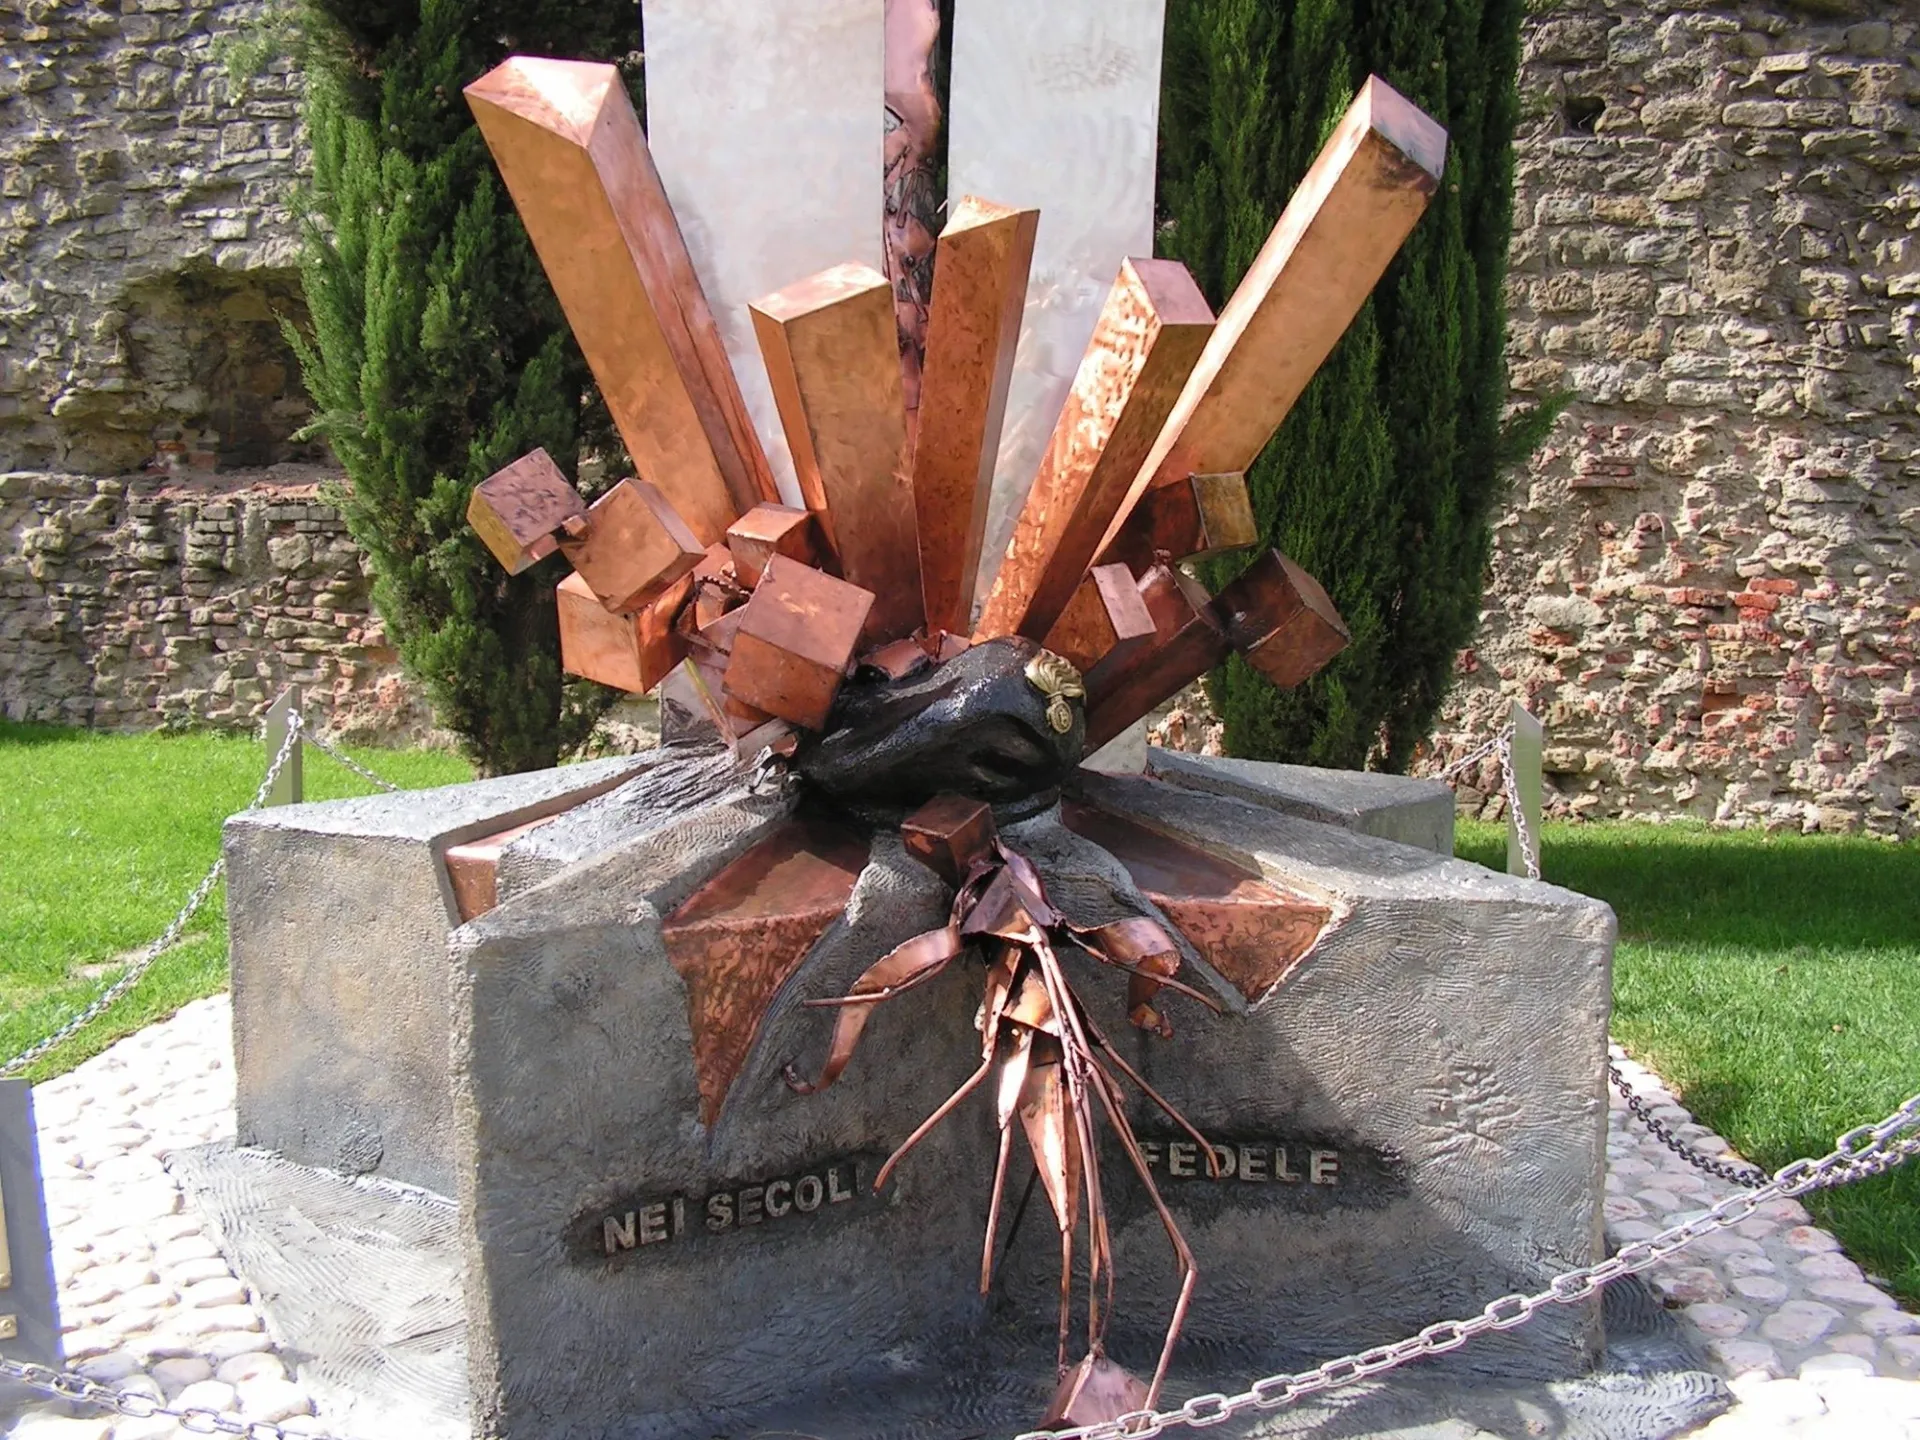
[1382, 480]
[437, 352]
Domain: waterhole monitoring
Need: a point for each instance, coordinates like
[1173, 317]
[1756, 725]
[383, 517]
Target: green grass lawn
[105, 837]
[1774, 982]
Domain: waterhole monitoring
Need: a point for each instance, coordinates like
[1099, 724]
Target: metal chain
[320, 742]
[1865, 1150]
[168, 937]
[1500, 738]
[75, 1387]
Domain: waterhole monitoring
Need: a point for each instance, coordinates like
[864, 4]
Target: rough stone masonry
[1706, 582]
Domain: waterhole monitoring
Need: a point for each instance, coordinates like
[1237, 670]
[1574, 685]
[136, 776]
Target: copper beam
[1332, 243]
[1248, 929]
[1106, 619]
[768, 530]
[833, 355]
[1150, 332]
[628, 652]
[635, 546]
[1197, 516]
[1188, 641]
[741, 935]
[1277, 616]
[518, 511]
[571, 152]
[979, 288]
[796, 637]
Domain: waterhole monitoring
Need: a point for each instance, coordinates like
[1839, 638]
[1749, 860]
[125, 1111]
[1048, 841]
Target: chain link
[1748, 1175]
[1867, 1150]
[70, 1386]
[320, 742]
[168, 937]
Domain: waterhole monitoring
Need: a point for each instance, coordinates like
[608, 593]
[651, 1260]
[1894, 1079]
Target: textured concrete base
[385, 1361]
[1391, 807]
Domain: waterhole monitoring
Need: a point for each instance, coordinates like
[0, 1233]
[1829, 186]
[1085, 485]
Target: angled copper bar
[1277, 616]
[519, 511]
[635, 546]
[1332, 243]
[949, 833]
[1106, 619]
[573, 157]
[1200, 515]
[795, 639]
[742, 934]
[1251, 931]
[1149, 334]
[768, 530]
[833, 355]
[628, 652]
[979, 289]
[1188, 642]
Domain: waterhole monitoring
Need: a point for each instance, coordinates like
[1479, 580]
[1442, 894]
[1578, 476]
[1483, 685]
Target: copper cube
[635, 546]
[1281, 620]
[516, 511]
[795, 640]
[1106, 619]
[766, 531]
[629, 652]
[1194, 516]
[948, 834]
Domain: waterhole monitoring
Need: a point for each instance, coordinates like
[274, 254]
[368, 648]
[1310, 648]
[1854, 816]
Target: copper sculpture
[833, 646]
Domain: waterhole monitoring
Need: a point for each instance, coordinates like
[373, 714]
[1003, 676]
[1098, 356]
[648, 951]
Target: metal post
[287, 788]
[29, 1323]
[1529, 739]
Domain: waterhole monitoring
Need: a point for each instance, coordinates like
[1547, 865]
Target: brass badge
[1056, 679]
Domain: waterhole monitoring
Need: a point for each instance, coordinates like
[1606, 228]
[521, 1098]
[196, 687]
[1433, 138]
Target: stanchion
[288, 785]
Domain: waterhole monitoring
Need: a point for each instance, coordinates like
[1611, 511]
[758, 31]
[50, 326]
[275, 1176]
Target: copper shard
[979, 289]
[948, 834]
[716, 588]
[833, 356]
[768, 530]
[1150, 332]
[898, 659]
[742, 934]
[1281, 620]
[1328, 250]
[473, 867]
[1199, 516]
[1092, 1393]
[1106, 619]
[571, 152]
[796, 637]
[1188, 641]
[635, 546]
[629, 652]
[1253, 933]
[517, 510]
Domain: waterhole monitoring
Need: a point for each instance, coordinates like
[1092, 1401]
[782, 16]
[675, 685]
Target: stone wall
[126, 602]
[1708, 582]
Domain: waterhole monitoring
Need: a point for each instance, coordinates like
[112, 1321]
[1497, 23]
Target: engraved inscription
[1258, 1170]
[830, 1187]
[1284, 1162]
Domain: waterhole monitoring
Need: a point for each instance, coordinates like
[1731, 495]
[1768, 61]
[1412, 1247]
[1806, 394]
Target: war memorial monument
[898, 1049]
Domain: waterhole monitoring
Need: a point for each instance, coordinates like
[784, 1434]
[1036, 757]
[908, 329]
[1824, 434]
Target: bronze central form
[835, 644]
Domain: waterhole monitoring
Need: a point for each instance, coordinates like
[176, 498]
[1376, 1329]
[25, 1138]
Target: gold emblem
[1056, 678]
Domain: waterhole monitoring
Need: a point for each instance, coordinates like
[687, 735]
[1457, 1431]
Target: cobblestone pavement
[1812, 1347]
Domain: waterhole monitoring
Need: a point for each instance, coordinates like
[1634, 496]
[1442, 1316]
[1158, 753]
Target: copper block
[474, 865]
[571, 152]
[948, 834]
[742, 934]
[1198, 516]
[1248, 929]
[1371, 182]
[1187, 642]
[769, 530]
[795, 639]
[1281, 620]
[635, 546]
[833, 356]
[629, 652]
[1149, 334]
[979, 289]
[517, 510]
[1106, 619]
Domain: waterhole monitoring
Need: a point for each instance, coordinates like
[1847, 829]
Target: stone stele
[1409, 1125]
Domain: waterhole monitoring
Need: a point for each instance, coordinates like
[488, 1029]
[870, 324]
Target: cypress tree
[437, 352]
[1382, 480]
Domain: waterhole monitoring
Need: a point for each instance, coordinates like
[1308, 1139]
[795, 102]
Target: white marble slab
[766, 118]
[1055, 103]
